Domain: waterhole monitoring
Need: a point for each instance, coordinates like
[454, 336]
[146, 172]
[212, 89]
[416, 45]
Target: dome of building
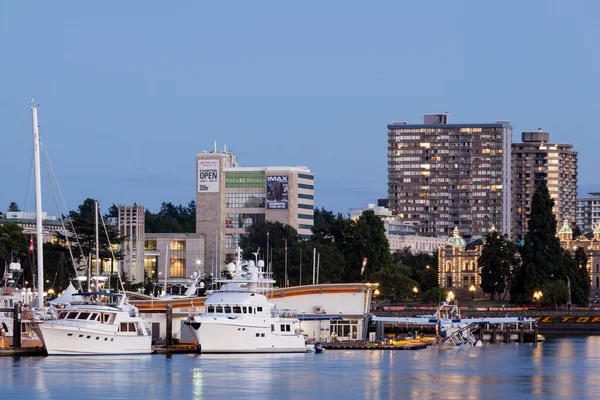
[456, 240]
[566, 228]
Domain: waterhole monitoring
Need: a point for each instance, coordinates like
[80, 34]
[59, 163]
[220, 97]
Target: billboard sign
[277, 192]
[208, 176]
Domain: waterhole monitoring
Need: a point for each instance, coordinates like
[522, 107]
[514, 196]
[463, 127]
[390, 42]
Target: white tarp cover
[66, 296]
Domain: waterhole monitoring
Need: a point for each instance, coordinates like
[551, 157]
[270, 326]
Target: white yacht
[240, 319]
[96, 323]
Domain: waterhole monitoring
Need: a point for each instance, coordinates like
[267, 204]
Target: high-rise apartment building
[588, 212]
[230, 198]
[536, 161]
[442, 176]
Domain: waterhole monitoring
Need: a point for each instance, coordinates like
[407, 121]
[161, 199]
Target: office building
[536, 161]
[442, 176]
[230, 198]
[588, 212]
[400, 234]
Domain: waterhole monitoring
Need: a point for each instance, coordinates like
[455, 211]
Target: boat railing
[284, 313]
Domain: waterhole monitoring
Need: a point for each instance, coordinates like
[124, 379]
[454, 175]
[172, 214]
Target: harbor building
[534, 161]
[230, 198]
[443, 175]
[27, 221]
[588, 212]
[145, 254]
[400, 234]
[131, 226]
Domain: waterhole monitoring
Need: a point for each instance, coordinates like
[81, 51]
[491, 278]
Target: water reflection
[558, 368]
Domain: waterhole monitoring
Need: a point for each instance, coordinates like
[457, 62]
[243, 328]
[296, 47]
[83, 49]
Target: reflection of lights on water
[197, 382]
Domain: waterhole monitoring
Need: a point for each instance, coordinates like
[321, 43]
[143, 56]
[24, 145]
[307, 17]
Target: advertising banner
[277, 192]
[208, 176]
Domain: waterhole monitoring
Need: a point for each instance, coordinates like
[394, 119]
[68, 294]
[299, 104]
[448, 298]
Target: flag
[362, 268]
[30, 244]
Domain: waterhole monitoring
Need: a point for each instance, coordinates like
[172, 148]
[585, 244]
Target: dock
[23, 351]
[364, 345]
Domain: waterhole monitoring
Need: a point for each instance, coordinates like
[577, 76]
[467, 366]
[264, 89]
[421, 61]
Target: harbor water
[555, 369]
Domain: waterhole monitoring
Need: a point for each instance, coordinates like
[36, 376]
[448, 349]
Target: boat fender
[318, 347]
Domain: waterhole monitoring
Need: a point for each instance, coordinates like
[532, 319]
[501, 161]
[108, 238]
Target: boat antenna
[256, 255]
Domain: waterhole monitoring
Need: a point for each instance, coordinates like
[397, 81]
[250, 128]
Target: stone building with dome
[591, 244]
[458, 268]
[457, 265]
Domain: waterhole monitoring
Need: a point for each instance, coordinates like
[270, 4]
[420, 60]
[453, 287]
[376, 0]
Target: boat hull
[60, 340]
[215, 337]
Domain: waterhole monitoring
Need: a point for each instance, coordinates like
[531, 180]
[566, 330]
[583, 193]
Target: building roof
[456, 240]
[566, 228]
[447, 126]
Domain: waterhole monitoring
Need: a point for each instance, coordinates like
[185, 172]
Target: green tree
[555, 293]
[542, 257]
[172, 219]
[576, 231]
[496, 262]
[13, 207]
[579, 277]
[113, 212]
[84, 226]
[13, 247]
[395, 282]
[423, 267]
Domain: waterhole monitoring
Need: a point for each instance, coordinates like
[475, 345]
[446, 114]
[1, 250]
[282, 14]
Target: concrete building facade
[588, 212]
[535, 161]
[131, 226]
[443, 175]
[185, 252]
[230, 198]
[400, 234]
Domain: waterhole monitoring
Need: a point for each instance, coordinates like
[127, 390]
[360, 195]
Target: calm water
[557, 368]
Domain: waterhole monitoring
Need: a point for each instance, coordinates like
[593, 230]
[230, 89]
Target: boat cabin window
[94, 317]
[285, 328]
[106, 317]
[227, 309]
[259, 309]
[245, 310]
[62, 315]
[72, 315]
[210, 309]
[218, 309]
[128, 327]
[272, 328]
[237, 309]
[83, 315]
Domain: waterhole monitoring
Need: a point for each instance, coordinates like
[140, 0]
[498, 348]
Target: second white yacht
[240, 319]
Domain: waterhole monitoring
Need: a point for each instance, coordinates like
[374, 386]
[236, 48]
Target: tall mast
[97, 249]
[38, 206]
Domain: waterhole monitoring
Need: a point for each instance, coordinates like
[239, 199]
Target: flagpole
[268, 265]
[285, 273]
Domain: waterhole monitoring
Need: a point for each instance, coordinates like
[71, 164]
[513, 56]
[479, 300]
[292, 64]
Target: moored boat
[96, 323]
[239, 318]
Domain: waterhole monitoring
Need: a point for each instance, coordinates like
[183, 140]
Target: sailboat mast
[97, 249]
[38, 207]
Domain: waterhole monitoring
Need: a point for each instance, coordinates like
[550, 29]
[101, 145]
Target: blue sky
[130, 91]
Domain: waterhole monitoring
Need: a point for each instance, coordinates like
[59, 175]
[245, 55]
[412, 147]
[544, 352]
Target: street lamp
[427, 267]
[538, 296]
[472, 290]
[415, 291]
[450, 296]
[376, 292]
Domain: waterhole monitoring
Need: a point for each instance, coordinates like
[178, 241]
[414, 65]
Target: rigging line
[111, 250]
[57, 269]
[50, 172]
